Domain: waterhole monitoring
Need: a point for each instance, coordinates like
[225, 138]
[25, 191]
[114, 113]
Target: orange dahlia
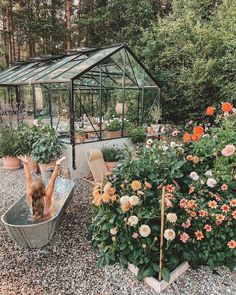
[225, 208]
[186, 137]
[195, 137]
[227, 107]
[220, 218]
[210, 111]
[199, 130]
[212, 204]
[233, 203]
[170, 188]
[199, 235]
[234, 214]
[231, 244]
[105, 197]
[136, 185]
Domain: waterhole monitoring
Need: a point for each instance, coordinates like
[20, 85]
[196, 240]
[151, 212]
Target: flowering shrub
[200, 202]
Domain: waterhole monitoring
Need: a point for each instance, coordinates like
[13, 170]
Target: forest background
[189, 45]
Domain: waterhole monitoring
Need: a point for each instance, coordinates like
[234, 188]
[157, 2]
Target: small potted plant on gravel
[9, 148]
[47, 149]
[111, 155]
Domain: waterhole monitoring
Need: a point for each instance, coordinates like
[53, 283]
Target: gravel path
[67, 266]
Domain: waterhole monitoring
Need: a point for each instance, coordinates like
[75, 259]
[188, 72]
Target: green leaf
[166, 274]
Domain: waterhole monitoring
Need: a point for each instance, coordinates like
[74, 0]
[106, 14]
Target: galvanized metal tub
[37, 233]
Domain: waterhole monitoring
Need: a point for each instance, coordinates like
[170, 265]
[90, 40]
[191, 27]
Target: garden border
[159, 286]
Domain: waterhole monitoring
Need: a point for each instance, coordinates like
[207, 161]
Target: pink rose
[228, 150]
[135, 235]
[184, 237]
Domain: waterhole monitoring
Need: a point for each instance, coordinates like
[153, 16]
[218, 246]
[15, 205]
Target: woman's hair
[38, 193]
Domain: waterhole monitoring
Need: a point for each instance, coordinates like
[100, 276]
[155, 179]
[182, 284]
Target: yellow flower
[136, 185]
[105, 197]
[96, 193]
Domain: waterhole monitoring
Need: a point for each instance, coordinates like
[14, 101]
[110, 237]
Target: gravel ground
[68, 264]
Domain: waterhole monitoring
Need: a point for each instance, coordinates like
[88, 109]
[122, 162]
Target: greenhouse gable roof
[59, 69]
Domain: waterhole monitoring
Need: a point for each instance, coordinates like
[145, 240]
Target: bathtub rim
[35, 224]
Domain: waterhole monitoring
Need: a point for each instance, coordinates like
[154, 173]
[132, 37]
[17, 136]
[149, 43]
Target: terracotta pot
[79, 138]
[11, 163]
[45, 169]
[32, 164]
[119, 108]
[113, 134]
[110, 166]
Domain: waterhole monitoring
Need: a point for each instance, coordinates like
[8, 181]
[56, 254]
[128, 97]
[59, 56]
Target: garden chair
[96, 164]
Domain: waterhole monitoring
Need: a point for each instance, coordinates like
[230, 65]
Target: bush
[200, 204]
[112, 153]
[9, 143]
[48, 146]
[137, 135]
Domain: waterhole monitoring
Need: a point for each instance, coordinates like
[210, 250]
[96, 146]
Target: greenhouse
[81, 93]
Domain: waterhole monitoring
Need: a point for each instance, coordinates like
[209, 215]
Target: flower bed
[200, 205]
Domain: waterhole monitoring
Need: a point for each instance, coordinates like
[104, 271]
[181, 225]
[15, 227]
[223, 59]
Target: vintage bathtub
[37, 233]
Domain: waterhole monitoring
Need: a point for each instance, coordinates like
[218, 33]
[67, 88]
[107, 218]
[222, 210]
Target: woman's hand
[23, 159]
[58, 162]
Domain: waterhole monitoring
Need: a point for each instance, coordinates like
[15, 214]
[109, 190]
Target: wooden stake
[162, 229]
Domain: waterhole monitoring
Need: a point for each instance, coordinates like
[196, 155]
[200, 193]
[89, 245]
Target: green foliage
[191, 52]
[112, 153]
[137, 135]
[114, 125]
[9, 143]
[27, 136]
[47, 147]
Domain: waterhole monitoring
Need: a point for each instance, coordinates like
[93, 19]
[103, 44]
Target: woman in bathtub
[39, 198]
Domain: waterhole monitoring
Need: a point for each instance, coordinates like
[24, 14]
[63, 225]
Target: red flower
[186, 137]
[225, 208]
[199, 130]
[182, 203]
[233, 203]
[203, 213]
[212, 204]
[193, 214]
[224, 187]
[170, 188]
[195, 137]
[231, 244]
[199, 235]
[208, 228]
[220, 218]
[210, 111]
[227, 107]
[234, 214]
[192, 204]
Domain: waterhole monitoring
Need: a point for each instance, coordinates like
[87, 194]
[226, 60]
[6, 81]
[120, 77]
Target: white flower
[202, 181]
[113, 231]
[208, 173]
[234, 110]
[124, 200]
[171, 217]
[113, 239]
[165, 148]
[36, 123]
[169, 234]
[173, 144]
[107, 186]
[134, 200]
[194, 175]
[149, 141]
[133, 220]
[211, 182]
[144, 230]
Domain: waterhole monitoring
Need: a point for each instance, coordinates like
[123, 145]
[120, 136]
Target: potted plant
[113, 128]
[27, 136]
[9, 148]
[111, 155]
[80, 135]
[47, 148]
[137, 135]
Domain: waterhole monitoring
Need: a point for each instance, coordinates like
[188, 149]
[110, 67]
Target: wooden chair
[96, 163]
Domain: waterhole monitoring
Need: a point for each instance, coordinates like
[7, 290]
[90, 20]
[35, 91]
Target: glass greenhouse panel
[27, 103]
[93, 59]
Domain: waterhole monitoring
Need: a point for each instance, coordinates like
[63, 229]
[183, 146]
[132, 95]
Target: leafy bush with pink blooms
[200, 202]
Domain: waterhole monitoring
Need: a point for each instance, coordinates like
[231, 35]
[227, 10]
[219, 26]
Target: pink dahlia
[228, 150]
